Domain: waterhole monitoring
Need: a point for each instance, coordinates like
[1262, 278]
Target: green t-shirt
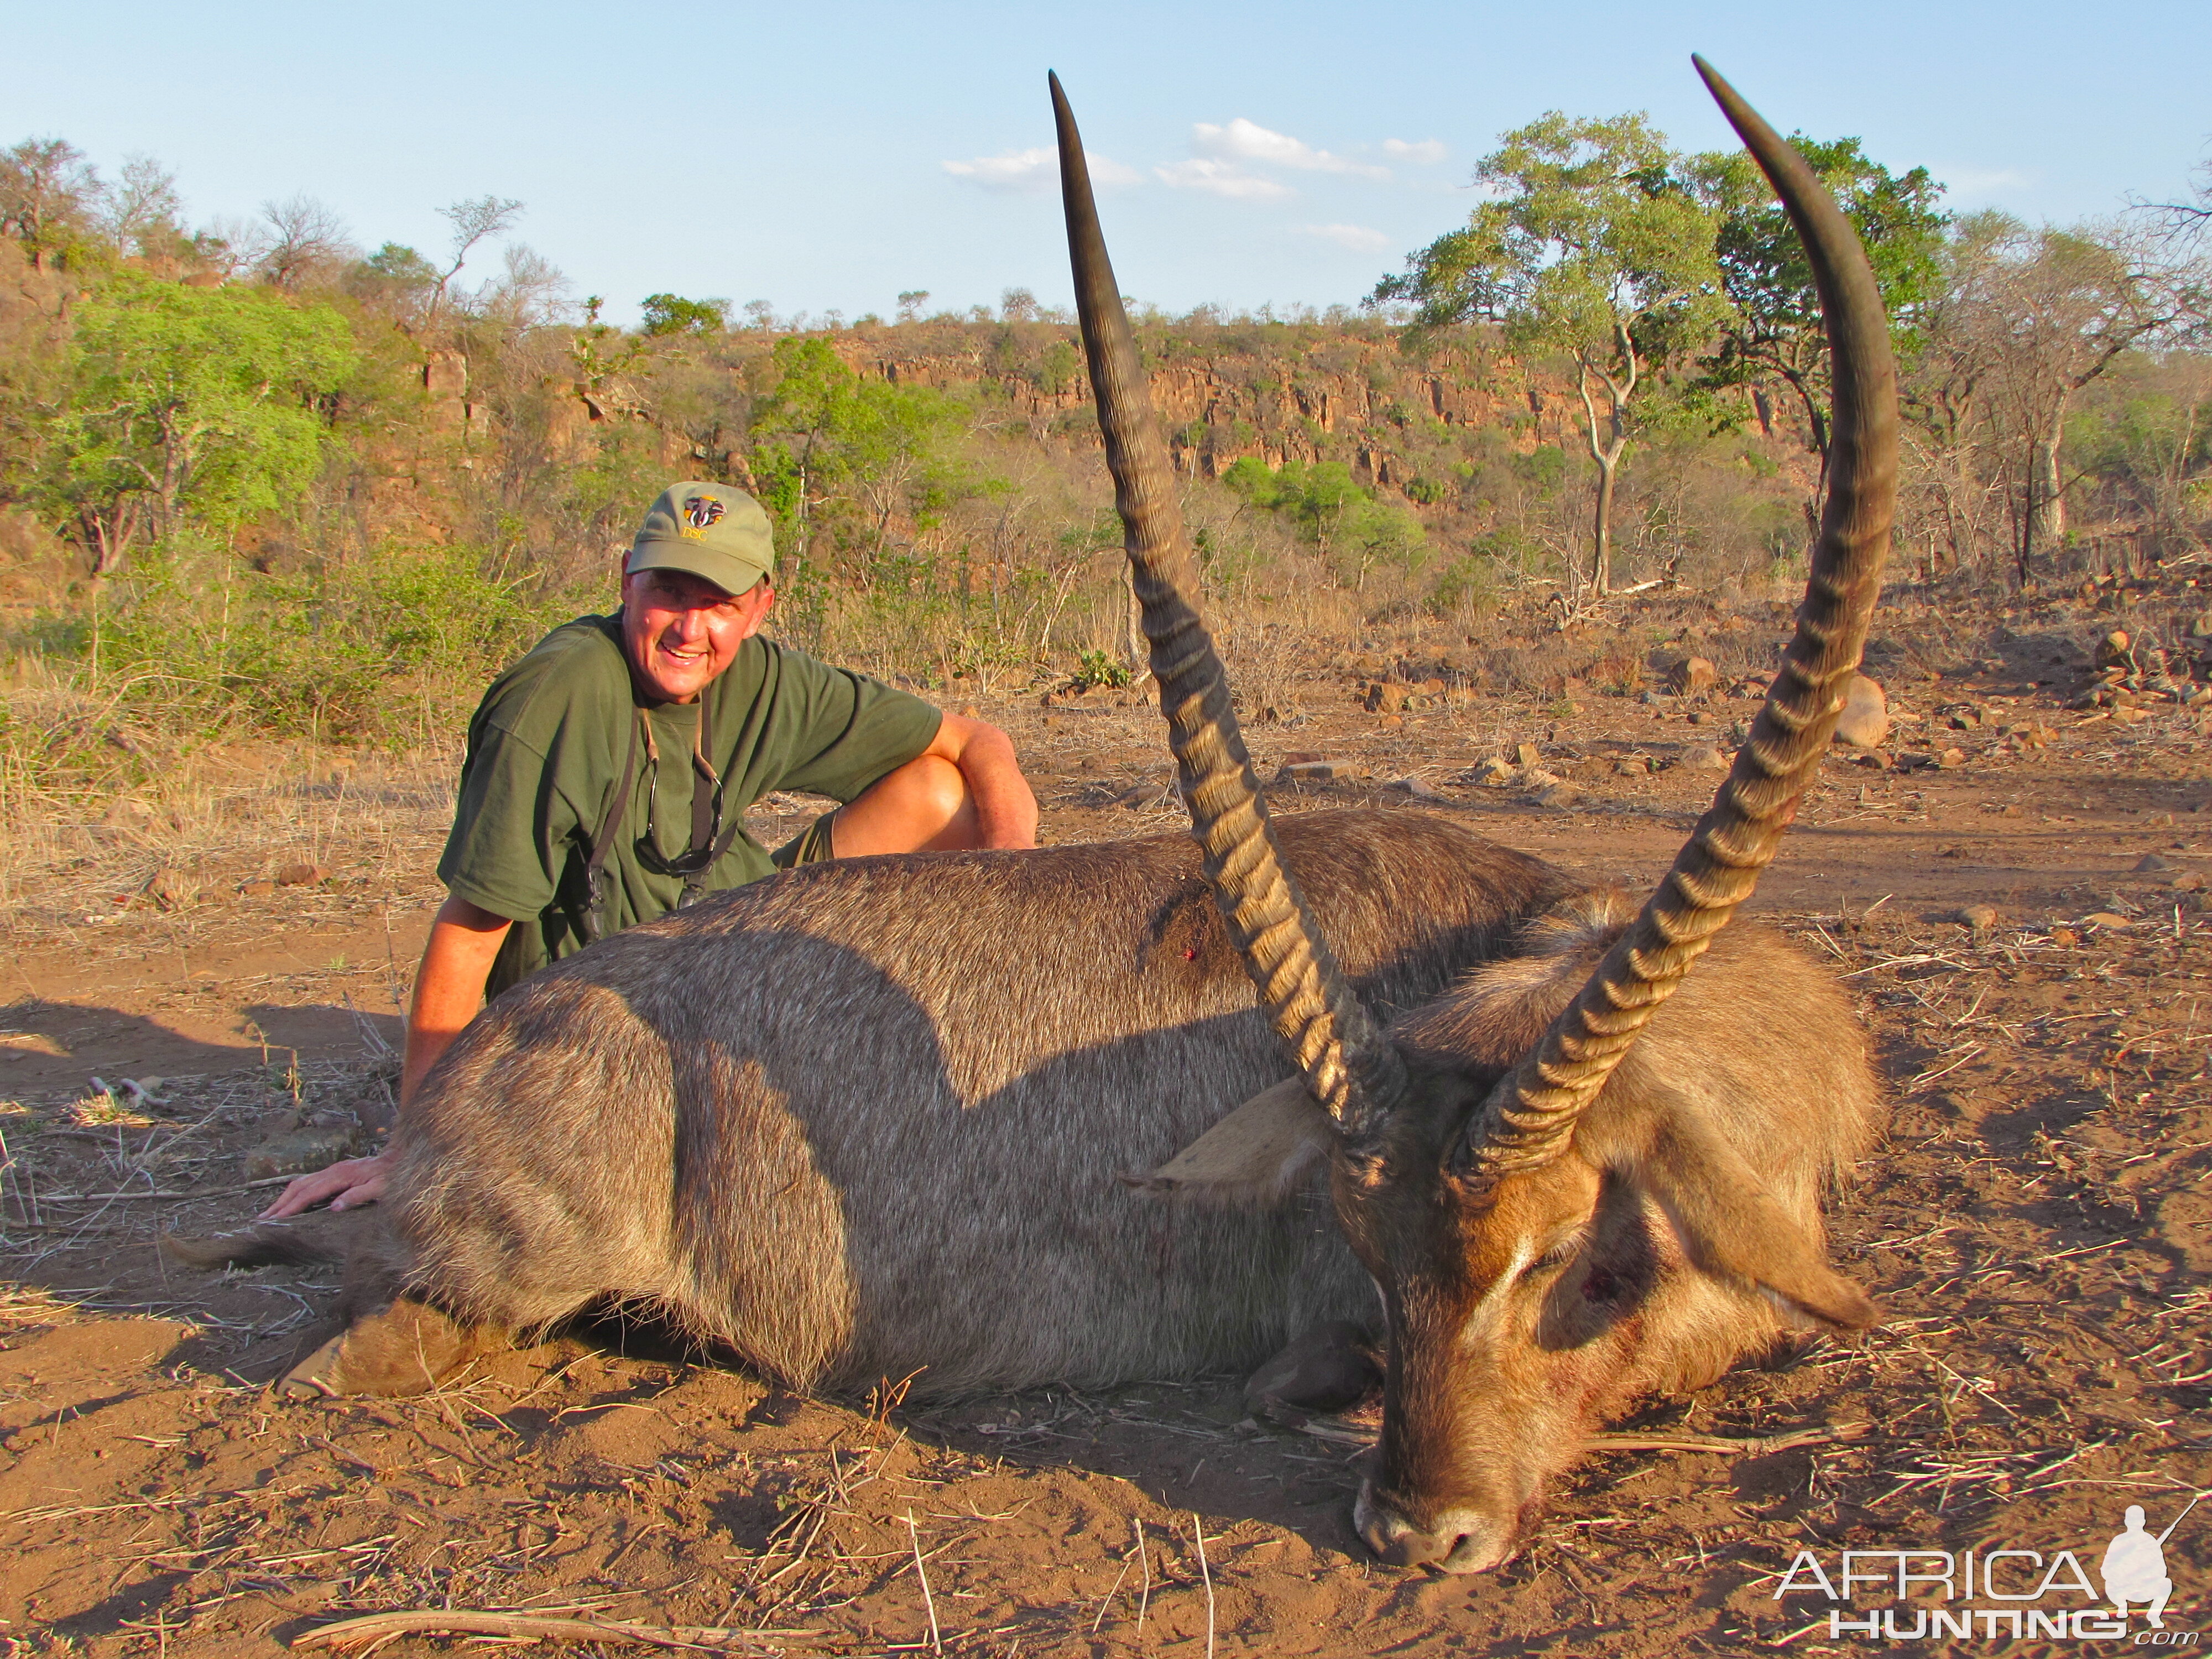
[546, 750]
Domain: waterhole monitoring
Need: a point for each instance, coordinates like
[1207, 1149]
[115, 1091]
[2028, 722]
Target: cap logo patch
[699, 513]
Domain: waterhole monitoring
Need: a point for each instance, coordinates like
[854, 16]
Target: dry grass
[221, 816]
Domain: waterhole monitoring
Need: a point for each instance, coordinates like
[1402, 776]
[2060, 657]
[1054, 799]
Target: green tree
[870, 450]
[1315, 498]
[2146, 447]
[396, 282]
[190, 407]
[1774, 328]
[1596, 246]
[1341, 516]
[670, 314]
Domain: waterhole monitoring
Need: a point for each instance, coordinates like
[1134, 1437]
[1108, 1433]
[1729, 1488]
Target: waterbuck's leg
[409, 1347]
[1330, 1368]
[393, 1343]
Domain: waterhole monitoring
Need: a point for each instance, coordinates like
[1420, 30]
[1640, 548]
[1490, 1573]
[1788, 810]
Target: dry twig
[1198, 1534]
[929, 1602]
[379, 1627]
[1724, 1445]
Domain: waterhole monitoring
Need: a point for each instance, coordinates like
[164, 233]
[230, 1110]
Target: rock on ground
[1865, 721]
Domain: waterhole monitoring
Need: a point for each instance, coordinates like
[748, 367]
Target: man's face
[681, 630]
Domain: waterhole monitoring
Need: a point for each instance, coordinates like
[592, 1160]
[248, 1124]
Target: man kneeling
[667, 720]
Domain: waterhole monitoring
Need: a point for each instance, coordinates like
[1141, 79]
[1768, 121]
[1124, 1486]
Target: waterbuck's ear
[1256, 1155]
[1735, 1229]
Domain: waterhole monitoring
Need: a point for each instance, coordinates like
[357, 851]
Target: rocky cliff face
[1275, 393]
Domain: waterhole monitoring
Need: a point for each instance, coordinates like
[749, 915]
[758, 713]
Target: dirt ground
[2036, 1226]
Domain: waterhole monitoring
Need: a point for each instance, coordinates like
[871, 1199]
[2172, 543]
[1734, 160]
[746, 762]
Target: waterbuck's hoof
[310, 1378]
[1328, 1369]
[408, 1348]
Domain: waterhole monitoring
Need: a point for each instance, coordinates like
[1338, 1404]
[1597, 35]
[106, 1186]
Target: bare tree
[472, 221]
[1947, 393]
[305, 237]
[528, 292]
[141, 210]
[48, 193]
[1017, 304]
[230, 246]
[2024, 320]
[2184, 222]
[2071, 302]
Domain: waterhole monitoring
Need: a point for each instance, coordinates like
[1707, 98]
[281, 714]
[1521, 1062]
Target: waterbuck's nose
[1459, 1541]
[1399, 1543]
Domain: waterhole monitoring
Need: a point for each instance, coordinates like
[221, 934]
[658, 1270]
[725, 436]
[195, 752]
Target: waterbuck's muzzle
[1458, 1540]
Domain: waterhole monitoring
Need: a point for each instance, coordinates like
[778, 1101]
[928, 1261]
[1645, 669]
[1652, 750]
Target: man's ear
[1257, 1155]
[757, 600]
[1734, 1229]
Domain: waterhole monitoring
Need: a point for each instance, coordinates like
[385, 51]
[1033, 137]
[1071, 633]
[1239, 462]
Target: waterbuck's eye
[1561, 1252]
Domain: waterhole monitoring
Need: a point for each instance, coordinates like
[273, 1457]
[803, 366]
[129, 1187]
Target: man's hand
[356, 1180]
[448, 990]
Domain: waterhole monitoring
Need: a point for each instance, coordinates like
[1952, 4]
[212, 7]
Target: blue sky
[1285, 153]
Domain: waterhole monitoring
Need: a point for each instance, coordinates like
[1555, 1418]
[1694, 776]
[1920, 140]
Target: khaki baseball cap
[710, 530]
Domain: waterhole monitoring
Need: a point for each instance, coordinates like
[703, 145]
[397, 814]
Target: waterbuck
[1561, 1209]
[897, 1114]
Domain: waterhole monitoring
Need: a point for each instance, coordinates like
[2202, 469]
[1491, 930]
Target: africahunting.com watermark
[1999, 1595]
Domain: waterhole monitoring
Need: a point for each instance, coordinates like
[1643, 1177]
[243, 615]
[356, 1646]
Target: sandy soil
[2036, 1226]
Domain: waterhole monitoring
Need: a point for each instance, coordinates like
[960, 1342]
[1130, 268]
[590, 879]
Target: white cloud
[1221, 179]
[1019, 169]
[1034, 170]
[1358, 238]
[1248, 141]
[1426, 154]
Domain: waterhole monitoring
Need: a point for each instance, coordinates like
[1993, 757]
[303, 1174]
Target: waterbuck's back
[870, 1116]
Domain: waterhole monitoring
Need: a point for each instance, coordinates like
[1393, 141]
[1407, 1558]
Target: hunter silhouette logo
[2133, 1568]
[700, 512]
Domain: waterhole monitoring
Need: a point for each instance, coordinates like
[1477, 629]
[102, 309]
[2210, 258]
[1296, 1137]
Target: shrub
[385, 649]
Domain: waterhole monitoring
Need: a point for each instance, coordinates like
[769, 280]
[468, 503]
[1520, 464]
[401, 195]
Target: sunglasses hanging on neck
[708, 841]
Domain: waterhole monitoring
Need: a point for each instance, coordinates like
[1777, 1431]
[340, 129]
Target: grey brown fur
[868, 1118]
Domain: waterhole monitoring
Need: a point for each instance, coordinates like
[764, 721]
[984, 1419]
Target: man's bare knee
[939, 790]
[922, 806]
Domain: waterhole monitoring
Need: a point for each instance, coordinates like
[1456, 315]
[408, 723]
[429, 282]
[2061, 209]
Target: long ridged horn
[1528, 1117]
[1350, 1066]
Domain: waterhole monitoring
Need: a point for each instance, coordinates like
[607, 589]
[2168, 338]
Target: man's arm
[1005, 809]
[449, 990]
[464, 939]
